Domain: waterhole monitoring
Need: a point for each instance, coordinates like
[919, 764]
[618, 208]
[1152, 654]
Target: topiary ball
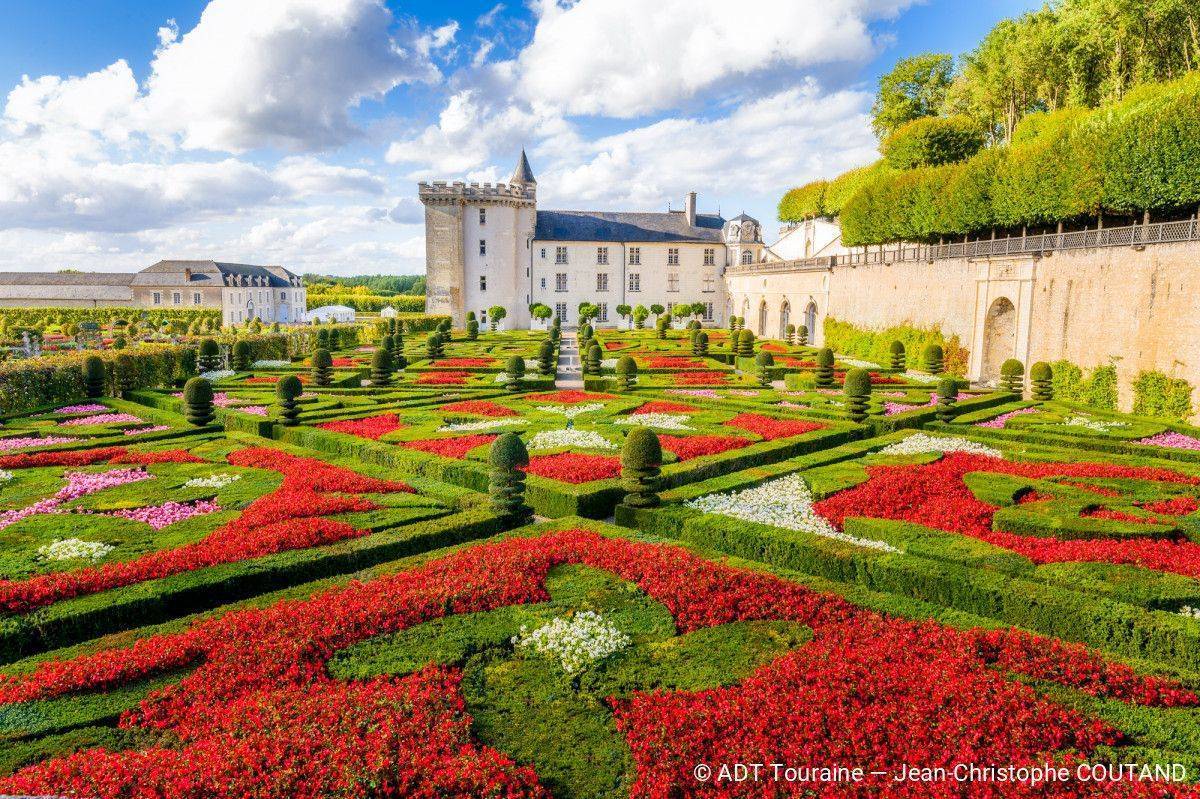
[1012, 374]
[289, 388]
[1041, 377]
[825, 357]
[764, 359]
[515, 366]
[509, 452]
[858, 383]
[933, 358]
[642, 449]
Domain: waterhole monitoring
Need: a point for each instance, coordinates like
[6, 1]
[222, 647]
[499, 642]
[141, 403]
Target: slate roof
[212, 273]
[66, 279]
[626, 226]
[522, 174]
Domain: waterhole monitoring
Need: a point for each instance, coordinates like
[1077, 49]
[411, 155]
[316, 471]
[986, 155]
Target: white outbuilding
[334, 313]
[388, 312]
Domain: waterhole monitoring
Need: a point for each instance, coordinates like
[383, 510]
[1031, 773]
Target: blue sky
[294, 131]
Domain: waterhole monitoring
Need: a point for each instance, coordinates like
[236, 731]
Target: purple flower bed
[91, 407]
[168, 513]
[1171, 439]
[103, 418]
[158, 428]
[24, 442]
[1003, 418]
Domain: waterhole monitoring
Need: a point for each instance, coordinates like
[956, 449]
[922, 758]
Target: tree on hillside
[916, 87]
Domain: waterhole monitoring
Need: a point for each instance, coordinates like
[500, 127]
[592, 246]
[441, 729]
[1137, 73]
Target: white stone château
[488, 245]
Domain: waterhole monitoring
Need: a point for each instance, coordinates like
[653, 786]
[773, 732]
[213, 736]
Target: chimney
[187, 274]
[689, 208]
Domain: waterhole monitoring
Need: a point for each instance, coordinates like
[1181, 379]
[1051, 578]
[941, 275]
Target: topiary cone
[933, 359]
[381, 368]
[947, 393]
[210, 356]
[515, 369]
[762, 366]
[93, 376]
[433, 346]
[789, 333]
[286, 392]
[506, 477]
[472, 330]
[641, 465]
[701, 343]
[858, 394]
[594, 358]
[198, 402]
[241, 356]
[322, 367]
[825, 368]
[1012, 376]
[896, 352]
[626, 372]
[802, 335]
[1041, 377]
[546, 359]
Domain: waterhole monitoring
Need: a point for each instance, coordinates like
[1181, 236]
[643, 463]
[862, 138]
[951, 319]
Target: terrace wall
[1140, 306]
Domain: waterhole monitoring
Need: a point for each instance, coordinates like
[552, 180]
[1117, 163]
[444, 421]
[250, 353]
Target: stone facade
[1132, 306]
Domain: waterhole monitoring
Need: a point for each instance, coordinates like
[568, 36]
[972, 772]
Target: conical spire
[523, 174]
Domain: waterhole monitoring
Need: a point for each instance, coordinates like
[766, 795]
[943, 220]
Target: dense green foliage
[93, 376]
[933, 359]
[626, 370]
[1098, 389]
[1156, 394]
[210, 355]
[514, 370]
[825, 362]
[932, 141]
[322, 367]
[849, 339]
[947, 396]
[287, 390]
[762, 367]
[198, 401]
[858, 393]
[241, 356]
[382, 367]
[506, 478]
[1012, 376]
[915, 88]
[641, 465]
[1041, 378]
[896, 358]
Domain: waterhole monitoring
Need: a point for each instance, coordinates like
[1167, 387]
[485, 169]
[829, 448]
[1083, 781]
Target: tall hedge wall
[37, 382]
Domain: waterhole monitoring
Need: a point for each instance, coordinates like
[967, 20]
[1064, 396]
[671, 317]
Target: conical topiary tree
[506, 478]
[1041, 379]
[322, 367]
[241, 356]
[789, 333]
[896, 356]
[762, 367]
[1012, 376]
[802, 335]
[382, 368]
[695, 335]
[93, 376]
[398, 359]
[660, 326]
[858, 394]
[585, 332]
[947, 394]
[595, 356]
[472, 330]
[556, 332]
[825, 368]
[934, 359]
[433, 346]
[515, 370]
[701, 343]
[626, 372]
[387, 343]
[745, 344]
[198, 402]
[641, 464]
[287, 391]
[210, 355]
[444, 327]
[546, 359]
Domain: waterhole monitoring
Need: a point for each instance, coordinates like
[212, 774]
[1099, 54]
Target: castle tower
[743, 240]
[477, 240]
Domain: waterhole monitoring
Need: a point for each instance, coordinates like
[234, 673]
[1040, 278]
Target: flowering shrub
[700, 378]
[158, 428]
[268, 364]
[442, 378]
[674, 362]
[575, 467]
[571, 411]
[584, 639]
[572, 437]
[25, 442]
[218, 374]
[261, 702]
[79, 484]
[344, 363]
[1095, 425]
[287, 518]
[455, 447]
[704, 393]
[372, 427]
[663, 406]
[770, 428]
[479, 408]
[73, 549]
[254, 410]
[859, 364]
[687, 447]
[664, 421]
[1167, 439]
[570, 396]
[1176, 506]
[772, 347]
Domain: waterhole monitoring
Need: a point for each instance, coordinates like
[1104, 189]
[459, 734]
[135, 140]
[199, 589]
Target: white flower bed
[664, 421]
[609, 363]
[72, 548]
[218, 374]
[218, 481]
[920, 443]
[271, 364]
[571, 411]
[859, 364]
[783, 502]
[920, 377]
[1089, 423]
[482, 424]
[585, 638]
[584, 439]
[1190, 612]
[5, 476]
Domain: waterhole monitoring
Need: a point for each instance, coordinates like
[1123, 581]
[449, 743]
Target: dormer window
[747, 257]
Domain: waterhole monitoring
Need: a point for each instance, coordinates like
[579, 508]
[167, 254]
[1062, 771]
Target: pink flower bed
[254, 410]
[91, 407]
[1001, 420]
[158, 428]
[24, 442]
[79, 484]
[168, 513]
[103, 418]
[1171, 439]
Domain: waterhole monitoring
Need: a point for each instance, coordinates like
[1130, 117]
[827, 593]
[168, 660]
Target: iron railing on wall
[1129, 236]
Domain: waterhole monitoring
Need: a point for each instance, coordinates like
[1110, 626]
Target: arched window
[810, 321]
[747, 257]
[762, 318]
[785, 316]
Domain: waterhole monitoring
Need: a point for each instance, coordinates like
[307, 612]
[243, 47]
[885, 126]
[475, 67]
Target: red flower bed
[704, 378]
[934, 495]
[456, 447]
[770, 347]
[687, 447]
[479, 408]
[1117, 516]
[287, 518]
[261, 380]
[1176, 506]
[90, 457]
[663, 406]
[1095, 489]
[675, 362]
[466, 362]
[442, 378]
[770, 428]
[570, 396]
[614, 345]
[261, 702]
[371, 427]
[795, 363]
[341, 363]
[575, 467]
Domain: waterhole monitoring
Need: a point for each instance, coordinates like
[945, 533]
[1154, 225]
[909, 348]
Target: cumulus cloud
[625, 58]
[305, 176]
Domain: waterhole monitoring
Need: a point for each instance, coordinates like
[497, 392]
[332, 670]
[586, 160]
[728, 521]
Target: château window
[602, 256]
[483, 216]
[672, 281]
[603, 317]
[560, 310]
[635, 256]
[635, 281]
[196, 297]
[483, 246]
[543, 253]
[483, 282]
[560, 281]
[708, 312]
[158, 298]
[602, 281]
[176, 298]
[560, 255]
[672, 256]
[710, 256]
[747, 257]
[543, 282]
[710, 284]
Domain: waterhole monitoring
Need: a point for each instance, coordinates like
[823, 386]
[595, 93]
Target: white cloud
[305, 176]
[438, 38]
[99, 103]
[625, 58]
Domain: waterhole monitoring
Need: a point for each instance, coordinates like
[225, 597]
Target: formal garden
[393, 560]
